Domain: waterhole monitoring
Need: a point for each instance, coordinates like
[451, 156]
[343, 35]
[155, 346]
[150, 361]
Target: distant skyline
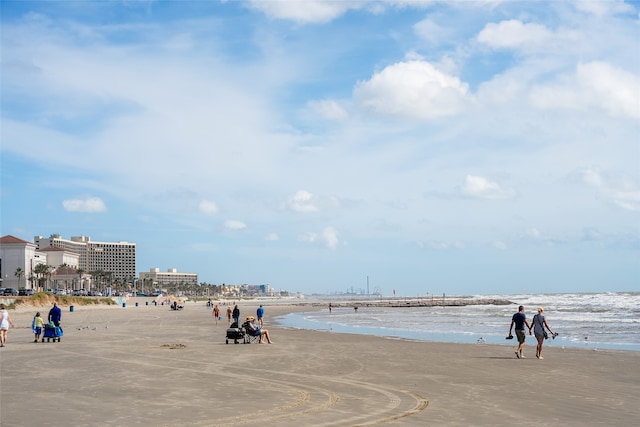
[434, 147]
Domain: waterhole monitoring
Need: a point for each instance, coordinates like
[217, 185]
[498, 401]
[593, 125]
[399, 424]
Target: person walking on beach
[38, 325]
[5, 323]
[216, 313]
[519, 319]
[229, 314]
[236, 314]
[260, 314]
[538, 324]
[55, 314]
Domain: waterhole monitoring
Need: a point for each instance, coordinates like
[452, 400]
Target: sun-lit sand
[150, 366]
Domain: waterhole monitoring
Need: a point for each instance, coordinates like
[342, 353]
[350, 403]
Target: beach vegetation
[42, 299]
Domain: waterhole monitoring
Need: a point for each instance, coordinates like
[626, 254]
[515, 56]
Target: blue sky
[433, 147]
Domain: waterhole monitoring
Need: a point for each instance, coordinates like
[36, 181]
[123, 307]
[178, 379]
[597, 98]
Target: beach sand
[150, 366]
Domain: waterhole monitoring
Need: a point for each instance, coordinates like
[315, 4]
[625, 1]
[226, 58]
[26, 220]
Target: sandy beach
[150, 366]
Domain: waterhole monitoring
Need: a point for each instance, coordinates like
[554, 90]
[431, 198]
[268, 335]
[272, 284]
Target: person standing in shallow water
[538, 325]
[519, 320]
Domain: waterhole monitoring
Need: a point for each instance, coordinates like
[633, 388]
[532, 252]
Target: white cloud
[309, 237]
[234, 225]
[482, 188]
[301, 201]
[308, 11]
[323, 11]
[593, 85]
[628, 200]
[534, 233]
[602, 8]
[329, 237]
[208, 208]
[329, 109]
[514, 34]
[91, 205]
[431, 32]
[623, 193]
[414, 89]
[593, 178]
[272, 237]
[502, 246]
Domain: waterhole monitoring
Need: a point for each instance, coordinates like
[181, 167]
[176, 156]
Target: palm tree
[19, 273]
[42, 270]
[80, 271]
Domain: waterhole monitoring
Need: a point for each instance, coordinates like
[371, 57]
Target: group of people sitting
[254, 330]
[175, 306]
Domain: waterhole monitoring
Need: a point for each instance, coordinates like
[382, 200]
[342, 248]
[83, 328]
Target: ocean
[587, 320]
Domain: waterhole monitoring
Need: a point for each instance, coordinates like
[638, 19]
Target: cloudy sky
[323, 146]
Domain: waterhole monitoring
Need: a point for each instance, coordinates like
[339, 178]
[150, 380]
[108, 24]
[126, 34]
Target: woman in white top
[5, 322]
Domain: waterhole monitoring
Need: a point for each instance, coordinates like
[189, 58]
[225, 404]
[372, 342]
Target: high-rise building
[155, 277]
[119, 258]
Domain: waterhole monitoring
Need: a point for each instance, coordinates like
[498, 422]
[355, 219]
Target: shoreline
[297, 306]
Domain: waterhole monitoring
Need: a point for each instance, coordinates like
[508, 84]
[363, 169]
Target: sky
[415, 147]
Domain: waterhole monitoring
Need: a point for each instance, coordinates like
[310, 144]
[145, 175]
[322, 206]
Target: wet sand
[150, 366]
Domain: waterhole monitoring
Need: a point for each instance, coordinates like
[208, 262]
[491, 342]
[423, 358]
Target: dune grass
[42, 299]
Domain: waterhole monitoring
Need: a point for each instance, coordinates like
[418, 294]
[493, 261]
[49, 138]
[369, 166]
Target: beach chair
[250, 334]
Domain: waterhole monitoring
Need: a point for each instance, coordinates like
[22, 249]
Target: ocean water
[588, 320]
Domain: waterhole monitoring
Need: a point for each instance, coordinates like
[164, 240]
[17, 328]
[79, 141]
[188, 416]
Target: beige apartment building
[159, 279]
[118, 258]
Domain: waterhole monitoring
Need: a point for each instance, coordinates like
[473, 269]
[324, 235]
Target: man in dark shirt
[519, 320]
[55, 314]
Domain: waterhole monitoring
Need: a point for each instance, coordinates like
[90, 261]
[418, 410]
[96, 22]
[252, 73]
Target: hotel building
[117, 258]
[156, 278]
